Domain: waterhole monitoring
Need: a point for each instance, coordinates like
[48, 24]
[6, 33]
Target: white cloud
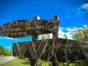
[61, 33]
[80, 11]
[85, 6]
[83, 9]
[68, 32]
[69, 29]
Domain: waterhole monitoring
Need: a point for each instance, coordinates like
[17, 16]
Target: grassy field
[16, 62]
[2, 56]
[24, 62]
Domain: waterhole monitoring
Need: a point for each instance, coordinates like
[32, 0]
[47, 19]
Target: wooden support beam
[32, 51]
[23, 49]
[14, 50]
[34, 37]
[34, 62]
[54, 60]
[41, 48]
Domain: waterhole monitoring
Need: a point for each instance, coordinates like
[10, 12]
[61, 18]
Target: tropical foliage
[81, 34]
[4, 51]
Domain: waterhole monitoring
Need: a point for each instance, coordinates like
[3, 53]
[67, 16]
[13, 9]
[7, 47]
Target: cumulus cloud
[68, 32]
[80, 11]
[69, 29]
[85, 6]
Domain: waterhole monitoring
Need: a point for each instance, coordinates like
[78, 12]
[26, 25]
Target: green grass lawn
[2, 56]
[24, 62]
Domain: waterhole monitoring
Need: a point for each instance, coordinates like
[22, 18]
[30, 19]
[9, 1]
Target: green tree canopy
[81, 33]
[4, 51]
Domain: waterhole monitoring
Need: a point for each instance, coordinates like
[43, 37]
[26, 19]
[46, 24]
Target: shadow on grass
[26, 63]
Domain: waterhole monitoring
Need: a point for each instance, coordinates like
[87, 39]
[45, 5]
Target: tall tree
[81, 33]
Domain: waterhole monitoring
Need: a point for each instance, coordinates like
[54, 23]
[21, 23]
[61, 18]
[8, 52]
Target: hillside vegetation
[4, 51]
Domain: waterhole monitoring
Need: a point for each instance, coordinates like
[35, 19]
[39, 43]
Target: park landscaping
[16, 62]
[2, 56]
[26, 62]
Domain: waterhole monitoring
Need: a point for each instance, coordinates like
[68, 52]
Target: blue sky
[72, 14]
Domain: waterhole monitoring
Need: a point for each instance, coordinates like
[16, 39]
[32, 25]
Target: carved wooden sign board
[22, 28]
[35, 27]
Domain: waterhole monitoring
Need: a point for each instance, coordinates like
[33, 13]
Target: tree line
[4, 51]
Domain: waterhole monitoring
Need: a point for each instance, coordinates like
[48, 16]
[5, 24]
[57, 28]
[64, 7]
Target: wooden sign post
[35, 27]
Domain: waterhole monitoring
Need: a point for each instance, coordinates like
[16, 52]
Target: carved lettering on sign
[26, 28]
[18, 33]
[35, 27]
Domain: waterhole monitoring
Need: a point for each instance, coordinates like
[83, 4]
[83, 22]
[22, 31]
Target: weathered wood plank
[21, 28]
[39, 47]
